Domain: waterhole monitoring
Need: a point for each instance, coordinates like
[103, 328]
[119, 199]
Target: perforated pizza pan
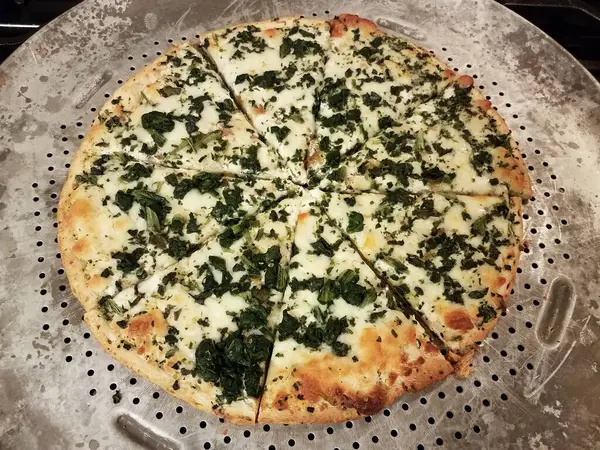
[535, 381]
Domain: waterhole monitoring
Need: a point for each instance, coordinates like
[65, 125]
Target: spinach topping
[177, 248]
[128, 262]
[108, 307]
[288, 326]
[478, 294]
[203, 182]
[157, 123]
[312, 284]
[233, 364]
[322, 247]
[280, 132]
[250, 161]
[355, 222]
[167, 91]
[136, 171]
[224, 211]
[246, 41]
[299, 48]
[486, 312]
[124, 201]
[317, 333]
[234, 232]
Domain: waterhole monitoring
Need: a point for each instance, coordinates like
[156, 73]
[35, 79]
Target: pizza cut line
[294, 221]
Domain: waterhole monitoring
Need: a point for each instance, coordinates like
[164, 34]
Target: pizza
[294, 221]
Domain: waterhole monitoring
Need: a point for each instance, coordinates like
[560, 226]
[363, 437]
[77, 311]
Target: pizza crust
[319, 387]
[67, 236]
[109, 337]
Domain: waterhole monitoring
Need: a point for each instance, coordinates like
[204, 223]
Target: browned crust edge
[341, 406]
[102, 332]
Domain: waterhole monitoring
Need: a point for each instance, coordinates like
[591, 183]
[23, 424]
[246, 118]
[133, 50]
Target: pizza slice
[453, 143]
[452, 258]
[342, 348]
[177, 112]
[274, 69]
[120, 220]
[203, 328]
[372, 80]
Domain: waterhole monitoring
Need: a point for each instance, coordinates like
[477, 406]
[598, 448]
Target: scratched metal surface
[531, 386]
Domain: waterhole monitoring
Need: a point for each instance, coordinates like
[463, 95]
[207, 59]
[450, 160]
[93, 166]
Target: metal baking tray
[535, 382]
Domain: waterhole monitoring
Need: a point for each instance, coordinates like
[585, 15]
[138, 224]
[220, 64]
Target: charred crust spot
[281, 401]
[430, 348]
[369, 403]
[458, 320]
[464, 81]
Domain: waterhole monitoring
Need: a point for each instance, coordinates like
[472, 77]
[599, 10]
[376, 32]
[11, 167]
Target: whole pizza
[294, 220]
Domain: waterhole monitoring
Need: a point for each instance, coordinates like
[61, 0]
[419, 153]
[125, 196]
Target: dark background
[575, 24]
